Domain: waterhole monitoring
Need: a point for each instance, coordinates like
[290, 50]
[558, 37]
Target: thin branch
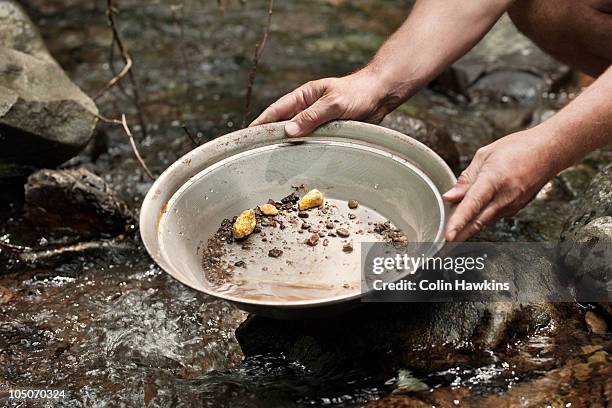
[127, 60]
[134, 148]
[114, 80]
[128, 132]
[257, 53]
[190, 136]
[111, 64]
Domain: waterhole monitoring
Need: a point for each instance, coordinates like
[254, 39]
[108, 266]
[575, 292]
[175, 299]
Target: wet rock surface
[114, 329]
[586, 240]
[44, 117]
[75, 202]
[595, 203]
[423, 130]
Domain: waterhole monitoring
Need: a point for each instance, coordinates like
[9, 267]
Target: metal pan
[393, 177]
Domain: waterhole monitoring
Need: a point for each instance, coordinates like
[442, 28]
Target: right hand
[359, 96]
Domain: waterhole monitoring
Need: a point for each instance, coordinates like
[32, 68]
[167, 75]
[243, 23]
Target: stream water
[113, 329]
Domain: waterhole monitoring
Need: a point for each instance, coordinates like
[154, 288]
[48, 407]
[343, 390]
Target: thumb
[309, 119]
[465, 180]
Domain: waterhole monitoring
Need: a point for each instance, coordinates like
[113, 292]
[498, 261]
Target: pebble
[342, 232]
[275, 252]
[302, 214]
[353, 204]
[313, 240]
[244, 224]
[348, 247]
[268, 209]
[311, 199]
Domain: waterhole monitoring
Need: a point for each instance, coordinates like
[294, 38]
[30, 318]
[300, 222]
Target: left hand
[501, 179]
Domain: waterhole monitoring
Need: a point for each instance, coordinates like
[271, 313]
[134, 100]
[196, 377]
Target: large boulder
[44, 117]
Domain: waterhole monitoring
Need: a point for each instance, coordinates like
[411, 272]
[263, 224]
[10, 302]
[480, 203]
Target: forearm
[435, 34]
[584, 125]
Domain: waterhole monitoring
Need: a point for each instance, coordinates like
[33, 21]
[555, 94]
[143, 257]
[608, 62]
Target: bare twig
[134, 148]
[128, 132]
[190, 136]
[114, 80]
[257, 53]
[128, 64]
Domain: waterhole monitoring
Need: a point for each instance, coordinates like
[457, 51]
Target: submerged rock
[426, 336]
[75, 202]
[419, 335]
[44, 117]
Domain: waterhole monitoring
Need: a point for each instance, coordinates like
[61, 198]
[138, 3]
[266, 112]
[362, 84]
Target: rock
[586, 240]
[422, 129]
[19, 33]
[575, 179]
[596, 202]
[505, 64]
[44, 118]
[596, 324]
[75, 202]
[382, 334]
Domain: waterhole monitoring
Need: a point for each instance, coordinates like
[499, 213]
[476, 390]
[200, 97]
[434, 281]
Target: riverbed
[114, 330]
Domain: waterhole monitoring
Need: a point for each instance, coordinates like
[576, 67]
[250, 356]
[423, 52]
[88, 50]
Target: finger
[465, 180]
[308, 120]
[285, 108]
[291, 104]
[476, 199]
[488, 215]
[456, 194]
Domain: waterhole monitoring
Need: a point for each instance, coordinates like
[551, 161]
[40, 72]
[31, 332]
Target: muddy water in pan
[307, 255]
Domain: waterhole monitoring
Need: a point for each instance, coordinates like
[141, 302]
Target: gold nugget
[312, 199]
[268, 209]
[245, 224]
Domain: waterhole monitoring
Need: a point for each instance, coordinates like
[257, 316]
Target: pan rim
[216, 149]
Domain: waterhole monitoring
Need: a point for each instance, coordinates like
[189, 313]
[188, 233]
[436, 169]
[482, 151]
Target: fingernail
[451, 192]
[292, 129]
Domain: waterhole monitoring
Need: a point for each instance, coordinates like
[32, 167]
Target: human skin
[503, 176]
